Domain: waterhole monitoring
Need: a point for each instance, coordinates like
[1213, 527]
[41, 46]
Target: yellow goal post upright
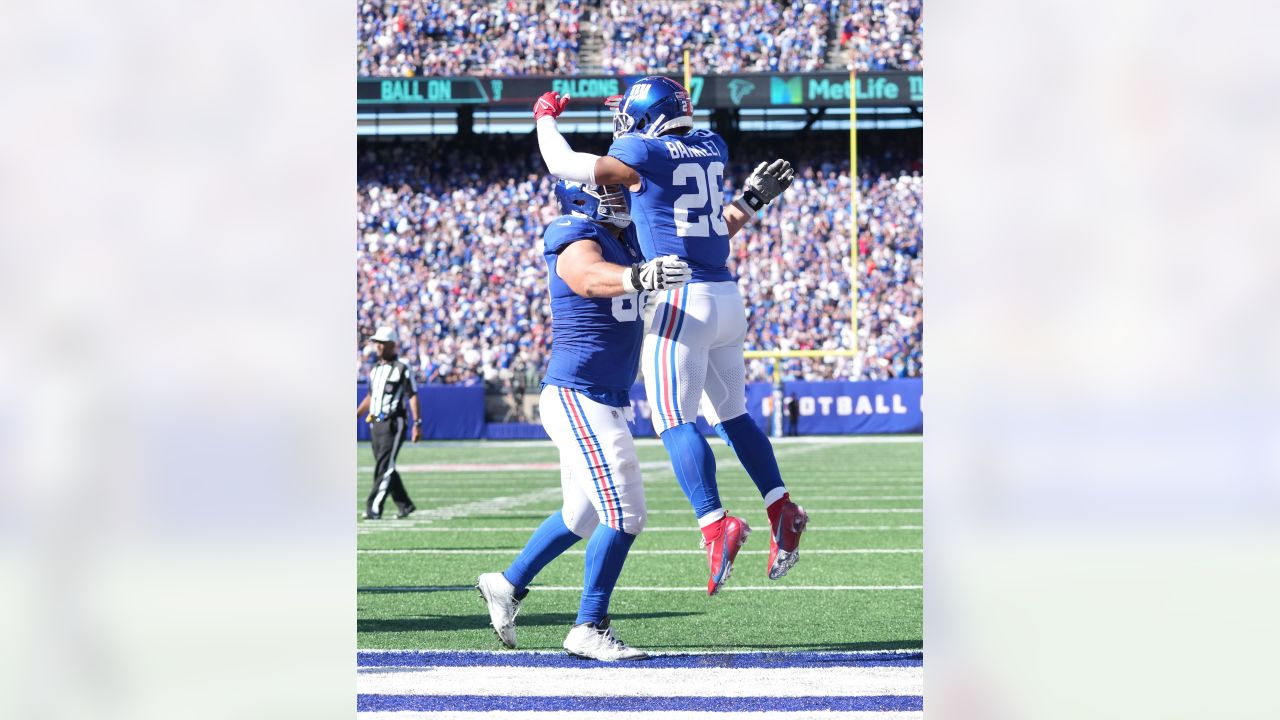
[688, 72]
[778, 355]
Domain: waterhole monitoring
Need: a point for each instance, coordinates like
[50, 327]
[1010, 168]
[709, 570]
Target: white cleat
[500, 596]
[597, 642]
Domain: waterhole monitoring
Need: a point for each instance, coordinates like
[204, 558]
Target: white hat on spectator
[384, 334]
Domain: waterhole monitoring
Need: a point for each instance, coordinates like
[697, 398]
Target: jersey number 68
[626, 308]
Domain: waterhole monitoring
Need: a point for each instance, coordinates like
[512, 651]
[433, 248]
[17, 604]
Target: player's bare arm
[566, 164]
[583, 268]
[363, 409]
[735, 218]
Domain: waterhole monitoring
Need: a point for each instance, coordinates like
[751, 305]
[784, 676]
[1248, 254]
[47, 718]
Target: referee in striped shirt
[391, 387]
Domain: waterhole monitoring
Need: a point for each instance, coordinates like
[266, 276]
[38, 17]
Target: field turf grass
[855, 587]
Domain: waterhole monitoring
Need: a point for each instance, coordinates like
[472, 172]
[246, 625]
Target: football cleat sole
[784, 561]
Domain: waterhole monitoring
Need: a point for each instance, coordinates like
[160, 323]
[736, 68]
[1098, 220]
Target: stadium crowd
[519, 37]
[449, 253]
[408, 38]
[884, 34]
[723, 36]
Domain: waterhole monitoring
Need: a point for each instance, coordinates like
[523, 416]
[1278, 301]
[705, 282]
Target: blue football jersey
[595, 342]
[677, 210]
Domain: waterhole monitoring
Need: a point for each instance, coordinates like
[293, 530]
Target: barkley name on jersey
[677, 210]
[596, 341]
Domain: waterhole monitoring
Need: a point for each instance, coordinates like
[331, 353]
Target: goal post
[853, 194]
[776, 356]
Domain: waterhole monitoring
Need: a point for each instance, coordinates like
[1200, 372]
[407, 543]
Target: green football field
[857, 585]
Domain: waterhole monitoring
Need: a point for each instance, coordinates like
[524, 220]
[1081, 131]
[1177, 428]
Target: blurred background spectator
[723, 36]
[449, 254]
[883, 34]
[419, 37]
[520, 37]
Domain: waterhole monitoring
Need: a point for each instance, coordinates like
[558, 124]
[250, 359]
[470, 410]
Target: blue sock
[754, 451]
[606, 551]
[719, 428]
[695, 467]
[550, 539]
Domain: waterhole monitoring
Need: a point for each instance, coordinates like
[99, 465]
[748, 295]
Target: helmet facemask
[599, 203]
[621, 122]
[613, 204]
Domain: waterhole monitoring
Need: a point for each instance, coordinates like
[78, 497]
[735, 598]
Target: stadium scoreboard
[760, 90]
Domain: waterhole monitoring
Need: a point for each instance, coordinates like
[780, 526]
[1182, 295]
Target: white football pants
[599, 472]
[694, 344]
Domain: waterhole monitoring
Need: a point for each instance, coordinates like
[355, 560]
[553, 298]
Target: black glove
[765, 184]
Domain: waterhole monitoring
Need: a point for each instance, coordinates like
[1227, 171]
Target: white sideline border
[640, 681]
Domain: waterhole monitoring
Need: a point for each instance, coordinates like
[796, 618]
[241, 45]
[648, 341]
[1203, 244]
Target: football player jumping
[596, 275]
[675, 175]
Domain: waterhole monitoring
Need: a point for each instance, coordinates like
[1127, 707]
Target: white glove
[764, 184]
[658, 274]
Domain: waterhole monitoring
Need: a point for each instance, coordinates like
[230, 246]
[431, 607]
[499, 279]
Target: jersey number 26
[705, 201]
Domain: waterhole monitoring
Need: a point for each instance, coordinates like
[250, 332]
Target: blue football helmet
[600, 203]
[652, 106]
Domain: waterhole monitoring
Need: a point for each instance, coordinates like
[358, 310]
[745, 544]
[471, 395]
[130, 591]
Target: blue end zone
[410, 658]
[482, 703]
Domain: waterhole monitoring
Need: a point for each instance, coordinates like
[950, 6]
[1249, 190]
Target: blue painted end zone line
[553, 703]
[722, 660]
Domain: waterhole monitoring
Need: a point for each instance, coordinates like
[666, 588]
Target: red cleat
[784, 541]
[723, 549]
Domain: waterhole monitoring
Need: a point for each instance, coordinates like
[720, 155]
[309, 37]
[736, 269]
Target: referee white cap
[384, 334]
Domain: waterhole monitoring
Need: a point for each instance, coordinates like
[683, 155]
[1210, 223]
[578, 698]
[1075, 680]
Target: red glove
[549, 105]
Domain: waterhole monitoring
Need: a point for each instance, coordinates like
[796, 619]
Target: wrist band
[749, 201]
[631, 279]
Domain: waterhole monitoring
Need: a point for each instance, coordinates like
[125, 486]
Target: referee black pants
[388, 436]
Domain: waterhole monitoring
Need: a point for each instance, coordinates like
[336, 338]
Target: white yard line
[375, 527]
[509, 551]
[478, 507]
[643, 588]
[673, 653]
[804, 446]
[657, 442]
[545, 467]
[430, 516]
[800, 497]
[637, 681]
[645, 715]
[736, 486]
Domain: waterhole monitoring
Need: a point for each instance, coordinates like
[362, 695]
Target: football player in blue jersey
[597, 276]
[675, 176]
